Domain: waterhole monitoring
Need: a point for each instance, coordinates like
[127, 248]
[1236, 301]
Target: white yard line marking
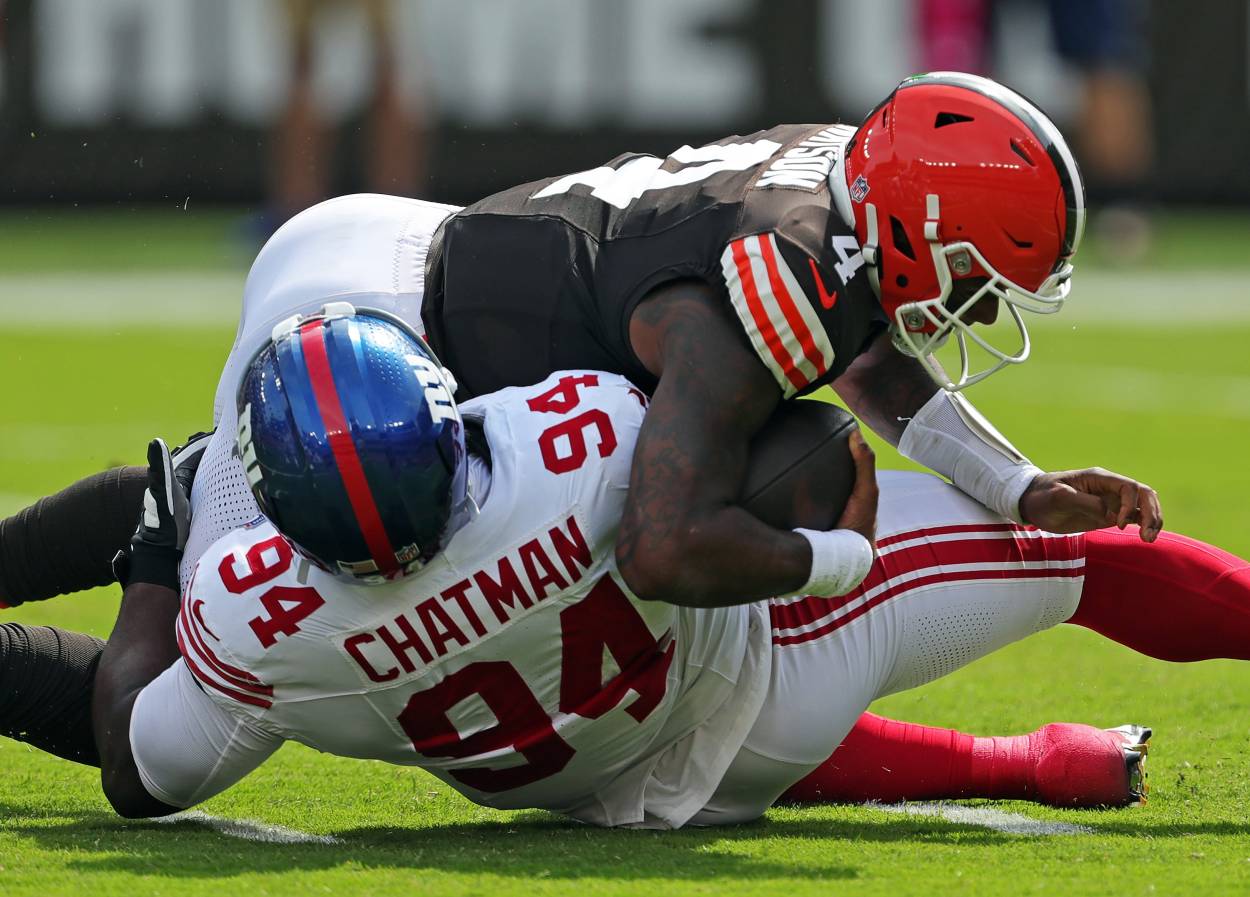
[196, 298]
[90, 300]
[985, 817]
[247, 830]
[1130, 388]
[1150, 298]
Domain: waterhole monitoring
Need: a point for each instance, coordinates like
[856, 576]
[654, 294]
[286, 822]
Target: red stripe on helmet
[313, 344]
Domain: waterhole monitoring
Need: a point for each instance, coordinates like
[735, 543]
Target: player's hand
[156, 547]
[1076, 501]
[860, 513]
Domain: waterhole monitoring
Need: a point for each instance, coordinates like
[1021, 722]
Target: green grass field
[1148, 371]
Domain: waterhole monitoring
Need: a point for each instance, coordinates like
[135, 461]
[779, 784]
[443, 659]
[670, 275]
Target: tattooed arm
[884, 388]
[682, 538]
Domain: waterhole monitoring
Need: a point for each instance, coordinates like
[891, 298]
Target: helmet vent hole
[949, 118]
[1020, 151]
[902, 281]
[1020, 244]
[901, 243]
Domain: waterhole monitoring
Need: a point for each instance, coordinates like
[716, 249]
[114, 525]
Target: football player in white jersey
[484, 633]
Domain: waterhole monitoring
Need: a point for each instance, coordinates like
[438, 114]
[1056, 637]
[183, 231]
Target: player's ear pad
[800, 471]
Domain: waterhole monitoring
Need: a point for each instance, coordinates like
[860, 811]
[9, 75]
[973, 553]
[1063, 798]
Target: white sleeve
[950, 436]
[186, 746]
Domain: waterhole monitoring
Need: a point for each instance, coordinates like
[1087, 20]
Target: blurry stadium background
[147, 147]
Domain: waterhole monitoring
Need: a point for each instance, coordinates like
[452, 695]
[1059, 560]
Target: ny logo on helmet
[437, 396]
[247, 451]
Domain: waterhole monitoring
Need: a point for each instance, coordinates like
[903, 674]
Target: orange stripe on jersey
[788, 308]
[760, 316]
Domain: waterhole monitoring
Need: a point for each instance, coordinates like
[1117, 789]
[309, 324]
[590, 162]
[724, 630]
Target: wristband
[841, 558]
[154, 564]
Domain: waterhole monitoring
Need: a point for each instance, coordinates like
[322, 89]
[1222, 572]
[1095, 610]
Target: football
[800, 472]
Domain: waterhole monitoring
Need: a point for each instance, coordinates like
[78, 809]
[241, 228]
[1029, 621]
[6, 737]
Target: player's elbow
[658, 569]
[128, 798]
[645, 578]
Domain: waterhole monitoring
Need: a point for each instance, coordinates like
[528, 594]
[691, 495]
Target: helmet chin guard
[921, 328]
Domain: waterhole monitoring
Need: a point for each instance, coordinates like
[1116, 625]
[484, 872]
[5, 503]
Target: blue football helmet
[352, 443]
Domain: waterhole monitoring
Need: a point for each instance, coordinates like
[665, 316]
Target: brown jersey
[545, 276]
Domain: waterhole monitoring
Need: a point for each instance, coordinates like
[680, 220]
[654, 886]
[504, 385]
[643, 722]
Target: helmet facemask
[921, 328]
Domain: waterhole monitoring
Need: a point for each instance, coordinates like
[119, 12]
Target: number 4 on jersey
[286, 606]
[850, 257]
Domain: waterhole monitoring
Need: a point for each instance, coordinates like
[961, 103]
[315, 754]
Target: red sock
[1178, 599]
[886, 760]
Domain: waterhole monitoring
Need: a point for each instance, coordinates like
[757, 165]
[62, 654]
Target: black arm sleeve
[47, 677]
[65, 542]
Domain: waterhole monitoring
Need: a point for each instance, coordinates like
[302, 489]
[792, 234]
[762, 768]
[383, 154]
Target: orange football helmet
[955, 176]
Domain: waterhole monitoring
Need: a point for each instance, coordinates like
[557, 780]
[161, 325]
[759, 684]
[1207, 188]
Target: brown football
[800, 471]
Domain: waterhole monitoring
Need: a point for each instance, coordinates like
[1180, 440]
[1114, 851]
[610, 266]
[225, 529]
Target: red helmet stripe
[312, 342]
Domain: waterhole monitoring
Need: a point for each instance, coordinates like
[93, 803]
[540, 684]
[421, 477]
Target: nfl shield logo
[859, 189]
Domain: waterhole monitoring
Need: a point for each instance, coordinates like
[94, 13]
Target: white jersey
[517, 667]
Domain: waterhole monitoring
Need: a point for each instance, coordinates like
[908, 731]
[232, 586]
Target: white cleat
[1136, 747]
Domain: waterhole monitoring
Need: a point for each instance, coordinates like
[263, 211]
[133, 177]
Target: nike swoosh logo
[827, 299]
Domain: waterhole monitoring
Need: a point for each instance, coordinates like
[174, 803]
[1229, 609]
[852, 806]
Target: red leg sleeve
[886, 760]
[1061, 764]
[1178, 599]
